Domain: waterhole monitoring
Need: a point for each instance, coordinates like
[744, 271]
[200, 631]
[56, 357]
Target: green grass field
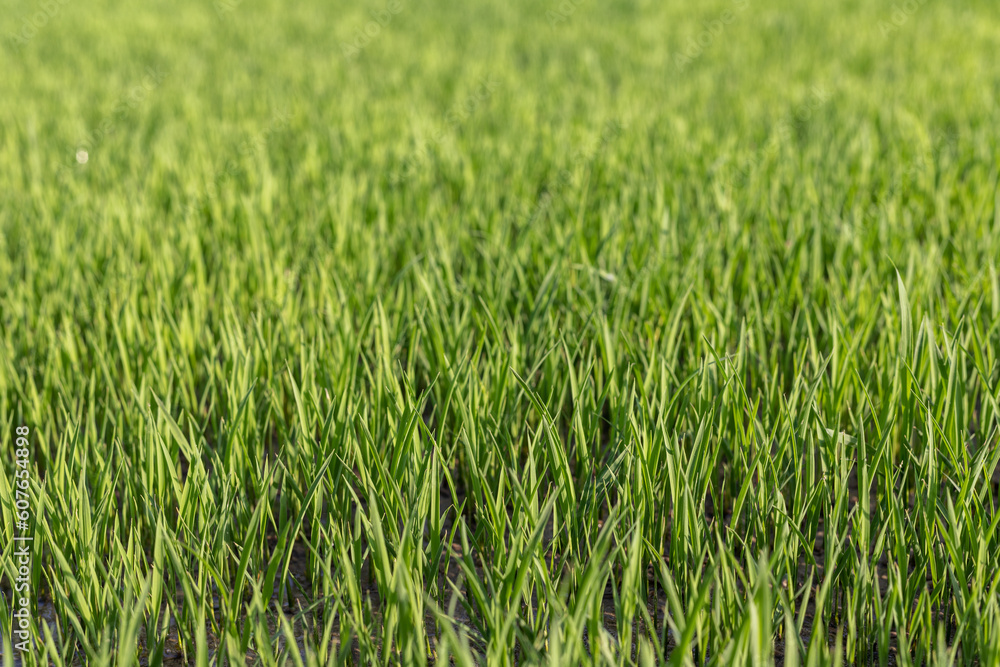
[500, 333]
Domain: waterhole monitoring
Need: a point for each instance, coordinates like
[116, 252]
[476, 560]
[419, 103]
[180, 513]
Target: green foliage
[618, 333]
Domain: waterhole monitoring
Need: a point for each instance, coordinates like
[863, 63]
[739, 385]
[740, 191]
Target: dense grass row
[536, 345]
